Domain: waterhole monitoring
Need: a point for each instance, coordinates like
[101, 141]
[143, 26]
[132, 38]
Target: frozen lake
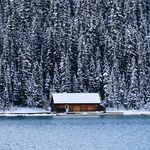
[77, 133]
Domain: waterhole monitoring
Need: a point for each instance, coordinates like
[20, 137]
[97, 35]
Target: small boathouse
[76, 102]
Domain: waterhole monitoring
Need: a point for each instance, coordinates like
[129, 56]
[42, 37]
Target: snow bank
[136, 112]
[24, 110]
[129, 112]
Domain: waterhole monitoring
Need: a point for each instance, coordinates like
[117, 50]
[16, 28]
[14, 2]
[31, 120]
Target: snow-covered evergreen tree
[133, 93]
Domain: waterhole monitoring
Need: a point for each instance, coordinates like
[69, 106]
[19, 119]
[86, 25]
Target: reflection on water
[77, 133]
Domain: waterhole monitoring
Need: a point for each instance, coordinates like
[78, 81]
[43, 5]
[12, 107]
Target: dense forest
[75, 46]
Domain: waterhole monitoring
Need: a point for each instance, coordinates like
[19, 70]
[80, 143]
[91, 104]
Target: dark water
[101, 133]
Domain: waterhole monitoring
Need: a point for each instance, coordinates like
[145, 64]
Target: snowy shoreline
[41, 112]
[131, 112]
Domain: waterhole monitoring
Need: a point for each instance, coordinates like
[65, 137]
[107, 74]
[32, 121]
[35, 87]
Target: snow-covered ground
[24, 110]
[130, 112]
[136, 112]
[41, 112]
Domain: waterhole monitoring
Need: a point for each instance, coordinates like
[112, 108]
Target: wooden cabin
[76, 102]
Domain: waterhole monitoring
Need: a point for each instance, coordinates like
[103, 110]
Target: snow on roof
[76, 98]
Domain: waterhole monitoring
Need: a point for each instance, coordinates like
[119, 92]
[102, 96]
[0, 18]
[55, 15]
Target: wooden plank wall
[77, 107]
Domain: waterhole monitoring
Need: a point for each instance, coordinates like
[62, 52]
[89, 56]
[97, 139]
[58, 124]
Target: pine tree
[56, 79]
[133, 94]
[65, 73]
[106, 75]
[2, 83]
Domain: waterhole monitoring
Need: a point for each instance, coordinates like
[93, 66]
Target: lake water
[77, 133]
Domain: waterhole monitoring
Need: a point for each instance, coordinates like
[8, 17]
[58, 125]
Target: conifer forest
[97, 46]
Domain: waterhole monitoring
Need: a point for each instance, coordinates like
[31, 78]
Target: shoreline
[76, 114]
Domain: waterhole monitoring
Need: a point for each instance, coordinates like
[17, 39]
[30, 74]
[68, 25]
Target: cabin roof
[76, 98]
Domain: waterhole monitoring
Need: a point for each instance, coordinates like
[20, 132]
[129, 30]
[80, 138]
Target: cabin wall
[76, 107]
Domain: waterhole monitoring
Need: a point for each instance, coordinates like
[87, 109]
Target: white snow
[24, 110]
[74, 98]
[136, 112]
[129, 112]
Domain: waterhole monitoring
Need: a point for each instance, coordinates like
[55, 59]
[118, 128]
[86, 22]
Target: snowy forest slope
[75, 46]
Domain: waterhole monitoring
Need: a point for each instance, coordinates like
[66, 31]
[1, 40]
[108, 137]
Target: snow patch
[76, 98]
[24, 110]
[129, 112]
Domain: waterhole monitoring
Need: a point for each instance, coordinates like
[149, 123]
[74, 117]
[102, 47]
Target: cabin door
[67, 108]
